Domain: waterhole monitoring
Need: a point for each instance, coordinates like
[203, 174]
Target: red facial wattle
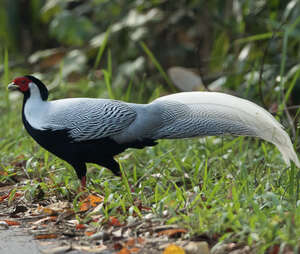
[22, 83]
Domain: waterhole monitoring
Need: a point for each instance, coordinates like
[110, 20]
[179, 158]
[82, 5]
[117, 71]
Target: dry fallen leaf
[114, 221]
[15, 195]
[49, 211]
[131, 242]
[45, 236]
[3, 173]
[54, 209]
[95, 200]
[172, 232]
[18, 209]
[12, 223]
[57, 250]
[118, 246]
[92, 249]
[4, 197]
[80, 226]
[173, 249]
[102, 235]
[84, 206]
[49, 218]
[124, 251]
[134, 250]
[141, 240]
[198, 247]
[89, 233]
[6, 188]
[90, 201]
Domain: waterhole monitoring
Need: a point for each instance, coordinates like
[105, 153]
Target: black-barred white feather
[85, 130]
[88, 119]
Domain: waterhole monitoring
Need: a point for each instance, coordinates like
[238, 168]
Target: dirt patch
[16, 241]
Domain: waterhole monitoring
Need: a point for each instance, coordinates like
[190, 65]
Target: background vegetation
[228, 189]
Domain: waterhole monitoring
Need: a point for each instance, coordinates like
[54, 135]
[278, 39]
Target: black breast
[61, 144]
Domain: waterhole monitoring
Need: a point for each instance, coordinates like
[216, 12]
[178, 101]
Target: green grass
[226, 188]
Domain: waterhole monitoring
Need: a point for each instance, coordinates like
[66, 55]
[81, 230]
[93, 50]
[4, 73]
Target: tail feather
[191, 114]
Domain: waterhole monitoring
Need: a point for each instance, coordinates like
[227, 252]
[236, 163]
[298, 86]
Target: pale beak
[12, 87]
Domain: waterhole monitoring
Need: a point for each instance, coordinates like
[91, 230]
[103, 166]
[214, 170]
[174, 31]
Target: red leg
[83, 182]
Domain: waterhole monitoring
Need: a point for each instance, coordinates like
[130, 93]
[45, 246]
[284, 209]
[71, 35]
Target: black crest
[41, 86]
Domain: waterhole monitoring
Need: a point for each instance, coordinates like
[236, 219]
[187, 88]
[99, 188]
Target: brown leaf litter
[60, 228]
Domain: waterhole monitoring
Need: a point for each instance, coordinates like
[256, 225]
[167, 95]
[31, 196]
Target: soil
[16, 241]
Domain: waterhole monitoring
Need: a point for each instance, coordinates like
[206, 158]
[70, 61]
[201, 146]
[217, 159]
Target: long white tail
[191, 114]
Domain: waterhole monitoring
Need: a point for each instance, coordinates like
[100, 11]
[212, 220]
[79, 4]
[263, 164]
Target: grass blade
[158, 66]
[6, 77]
[101, 50]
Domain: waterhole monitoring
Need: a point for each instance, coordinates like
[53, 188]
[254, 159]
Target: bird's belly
[59, 143]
